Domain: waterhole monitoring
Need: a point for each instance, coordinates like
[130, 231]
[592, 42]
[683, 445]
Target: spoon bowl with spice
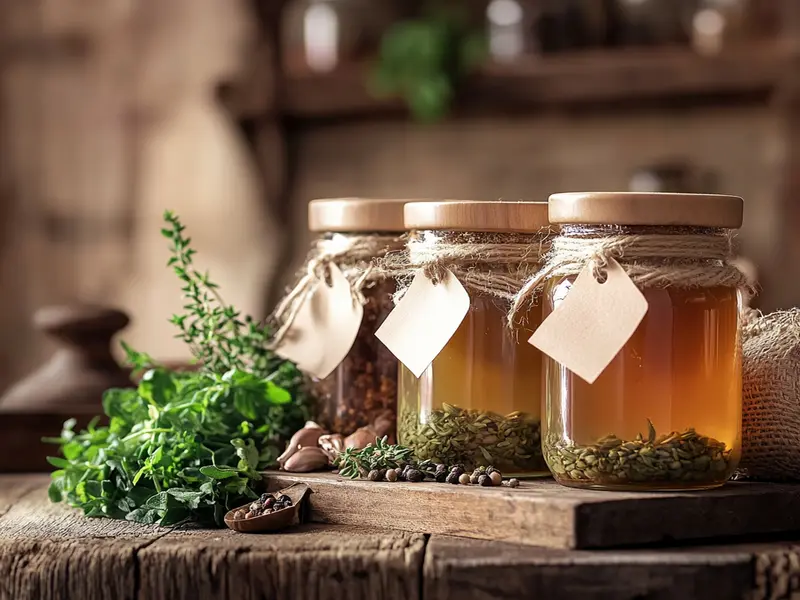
[270, 512]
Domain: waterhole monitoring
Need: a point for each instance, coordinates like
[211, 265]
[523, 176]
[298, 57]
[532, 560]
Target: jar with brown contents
[355, 233]
[666, 413]
[478, 403]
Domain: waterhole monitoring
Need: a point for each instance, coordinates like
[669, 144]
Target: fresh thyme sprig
[354, 463]
[218, 336]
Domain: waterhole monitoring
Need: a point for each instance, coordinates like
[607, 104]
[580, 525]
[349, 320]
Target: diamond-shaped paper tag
[593, 322]
[325, 328]
[424, 320]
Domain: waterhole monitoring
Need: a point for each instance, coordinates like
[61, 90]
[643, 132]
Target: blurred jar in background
[510, 29]
[319, 35]
[718, 24]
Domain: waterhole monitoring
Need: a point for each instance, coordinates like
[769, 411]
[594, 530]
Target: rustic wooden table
[52, 552]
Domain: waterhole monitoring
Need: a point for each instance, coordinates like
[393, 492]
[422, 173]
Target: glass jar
[354, 233]
[666, 413]
[320, 35]
[479, 401]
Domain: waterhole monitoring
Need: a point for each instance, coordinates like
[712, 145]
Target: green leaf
[61, 463]
[277, 395]
[54, 492]
[247, 452]
[219, 472]
[189, 498]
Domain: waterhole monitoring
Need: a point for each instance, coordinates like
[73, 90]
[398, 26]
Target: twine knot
[680, 259]
[356, 255]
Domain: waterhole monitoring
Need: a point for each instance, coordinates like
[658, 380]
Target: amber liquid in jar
[479, 402]
[667, 411]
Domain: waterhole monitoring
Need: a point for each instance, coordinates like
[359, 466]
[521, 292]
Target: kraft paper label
[593, 322]
[325, 327]
[424, 320]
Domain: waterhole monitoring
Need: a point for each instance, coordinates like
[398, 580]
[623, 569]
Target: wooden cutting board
[543, 513]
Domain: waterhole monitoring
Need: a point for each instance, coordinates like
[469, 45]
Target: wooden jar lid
[356, 215]
[635, 208]
[476, 215]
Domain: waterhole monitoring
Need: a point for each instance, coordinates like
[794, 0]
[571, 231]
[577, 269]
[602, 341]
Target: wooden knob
[81, 369]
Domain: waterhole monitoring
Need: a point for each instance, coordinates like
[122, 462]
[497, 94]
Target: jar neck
[576, 230]
[452, 237]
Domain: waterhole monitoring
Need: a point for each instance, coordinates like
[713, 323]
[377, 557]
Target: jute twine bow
[651, 260]
[356, 256]
[486, 264]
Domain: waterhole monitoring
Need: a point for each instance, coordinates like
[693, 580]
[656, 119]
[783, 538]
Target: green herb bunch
[424, 60]
[186, 445]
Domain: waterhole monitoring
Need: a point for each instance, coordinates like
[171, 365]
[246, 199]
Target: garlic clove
[305, 437]
[306, 460]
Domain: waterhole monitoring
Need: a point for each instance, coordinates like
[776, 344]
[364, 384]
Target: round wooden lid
[356, 215]
[652, 208]
[477, 215]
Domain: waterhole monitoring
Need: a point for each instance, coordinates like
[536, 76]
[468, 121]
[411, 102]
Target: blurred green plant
[424, 60]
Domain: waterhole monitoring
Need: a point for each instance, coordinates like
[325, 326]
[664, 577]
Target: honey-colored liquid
[483, 368]
[681, 369]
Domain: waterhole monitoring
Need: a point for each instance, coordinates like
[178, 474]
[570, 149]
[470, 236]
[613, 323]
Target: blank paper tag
[325, 327]
[593, 322]
[424, 320]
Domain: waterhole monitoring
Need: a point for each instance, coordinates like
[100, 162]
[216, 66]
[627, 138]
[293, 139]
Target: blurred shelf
[596, 77]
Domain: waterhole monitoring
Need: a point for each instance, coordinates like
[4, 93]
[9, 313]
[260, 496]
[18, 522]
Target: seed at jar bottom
[475, 438]
[680, 456]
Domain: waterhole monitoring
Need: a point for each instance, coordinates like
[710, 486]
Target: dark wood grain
[457, 569]
[590, 77]
[543, 513]
[51, 552]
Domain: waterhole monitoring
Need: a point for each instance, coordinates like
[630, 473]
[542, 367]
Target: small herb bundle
[357, 462]
[186, 446]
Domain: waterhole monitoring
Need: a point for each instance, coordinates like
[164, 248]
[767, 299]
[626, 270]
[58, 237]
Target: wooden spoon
[279, 519]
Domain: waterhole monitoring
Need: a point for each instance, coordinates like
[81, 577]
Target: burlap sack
[771, 394]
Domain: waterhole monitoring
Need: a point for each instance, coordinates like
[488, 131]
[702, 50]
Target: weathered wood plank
[543, 513]
[50, 552]
[479, 570]
[314, 562]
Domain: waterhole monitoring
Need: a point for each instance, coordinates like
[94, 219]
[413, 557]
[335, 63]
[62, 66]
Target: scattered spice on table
[383, 461]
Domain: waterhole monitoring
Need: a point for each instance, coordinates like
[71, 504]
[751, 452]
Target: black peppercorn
[441, 476]
[485, 480]
[265, 499]
[283, 498]
[458, 470]
[452, 477]
[440, 468]
[414, 476]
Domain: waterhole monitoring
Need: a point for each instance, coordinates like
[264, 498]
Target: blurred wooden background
[113, 110]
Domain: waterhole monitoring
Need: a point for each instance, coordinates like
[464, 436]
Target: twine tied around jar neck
[493, 264]
[355, 255]
[681, 259]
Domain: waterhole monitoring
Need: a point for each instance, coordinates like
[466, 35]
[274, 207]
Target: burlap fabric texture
[771, 396]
